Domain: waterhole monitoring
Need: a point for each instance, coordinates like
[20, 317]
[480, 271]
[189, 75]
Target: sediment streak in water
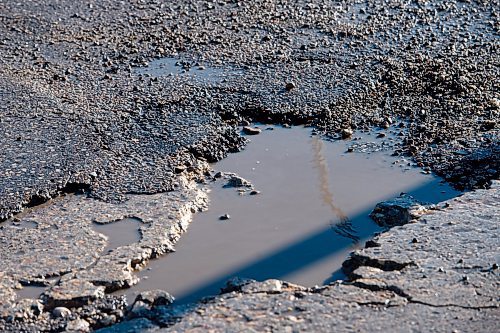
[343, 226]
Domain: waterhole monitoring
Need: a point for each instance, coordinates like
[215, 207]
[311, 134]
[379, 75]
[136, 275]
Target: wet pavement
[30, 292]
[311, 210]
[119, 233]
[76, 114]
[422, 276]
[78, 117]
[164, 68]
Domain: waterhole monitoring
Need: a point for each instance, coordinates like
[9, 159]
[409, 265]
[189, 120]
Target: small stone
[235, 284]
[371, 243]
[180, 169]
[155, 297]
[414, 240]
[398, 211]
[254, 192]
[251, 130]
[78, 325]
[237, 181]
[346, 133]
[107, 320]
[61, 312]
[225, 217]
[271, 286]
[380, 135]
[289, 86]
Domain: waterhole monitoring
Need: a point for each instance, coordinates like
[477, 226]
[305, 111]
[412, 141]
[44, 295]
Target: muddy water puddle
[175, 67]
[30, 292]
[34, 291]
[24, 224]
[119, 233]
[312, 210]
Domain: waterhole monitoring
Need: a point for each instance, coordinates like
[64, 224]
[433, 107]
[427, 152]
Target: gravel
[81, 112]
[77, 114]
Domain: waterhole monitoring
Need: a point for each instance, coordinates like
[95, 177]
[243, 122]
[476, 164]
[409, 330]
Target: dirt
[79, 114]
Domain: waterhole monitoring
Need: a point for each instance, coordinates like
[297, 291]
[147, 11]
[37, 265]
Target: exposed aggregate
[81, 111]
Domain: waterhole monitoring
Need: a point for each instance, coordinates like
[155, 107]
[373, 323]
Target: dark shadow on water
[306, 252]
[290, 259]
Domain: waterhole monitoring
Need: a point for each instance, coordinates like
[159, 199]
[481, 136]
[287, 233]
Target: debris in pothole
[61, 312]
[155, 297]
[236, 181]
[398, 211]
[346, 133]
[289, 86]
[251, 130]
[312, 192]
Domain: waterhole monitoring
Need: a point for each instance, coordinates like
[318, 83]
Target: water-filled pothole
[312, 210]
[34, 291]
[119, 233]
[30, 292]
[24, 224]
[175, 67]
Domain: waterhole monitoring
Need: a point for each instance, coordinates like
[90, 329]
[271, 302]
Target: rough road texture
[83, 107]
[75, 111]
[61, 242]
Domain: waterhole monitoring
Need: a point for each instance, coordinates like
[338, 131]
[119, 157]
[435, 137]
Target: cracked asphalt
[81, 112]
[446, 281]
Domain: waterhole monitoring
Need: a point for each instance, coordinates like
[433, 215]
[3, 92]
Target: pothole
[165, 67]
[34, 291]
[23, 224]
[119, 233]
[30, 292]
[310, 210]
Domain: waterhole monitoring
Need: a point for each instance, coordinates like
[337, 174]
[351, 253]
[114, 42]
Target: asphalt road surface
[113, 100]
